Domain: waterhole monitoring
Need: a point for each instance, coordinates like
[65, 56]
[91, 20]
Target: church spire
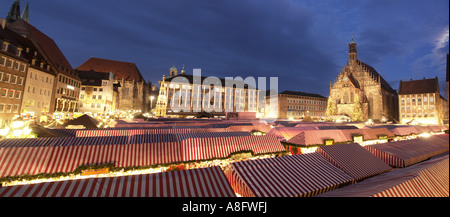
[24, 15]
[14, 12]
[352, 51]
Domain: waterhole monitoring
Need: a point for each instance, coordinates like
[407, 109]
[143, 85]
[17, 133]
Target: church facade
[360, 92]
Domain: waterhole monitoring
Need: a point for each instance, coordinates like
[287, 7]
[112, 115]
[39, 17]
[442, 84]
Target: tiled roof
[418, 86]
[374, 72]
[121, 70]
[48, 46]
[92, 78]
[298, 93]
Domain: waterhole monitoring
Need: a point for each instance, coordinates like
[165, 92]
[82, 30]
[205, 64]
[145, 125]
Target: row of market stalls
[307, 138]
[330, 169]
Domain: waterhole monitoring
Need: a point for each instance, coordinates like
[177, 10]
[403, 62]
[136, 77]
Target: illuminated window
[7, 77]
[9, 108]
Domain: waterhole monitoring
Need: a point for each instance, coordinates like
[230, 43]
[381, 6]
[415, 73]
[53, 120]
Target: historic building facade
[361, 93]
[97, 92]
[296, 104]
[133, 90]
[13, 69]
[190, 94]
[66, 84]
[421, 102]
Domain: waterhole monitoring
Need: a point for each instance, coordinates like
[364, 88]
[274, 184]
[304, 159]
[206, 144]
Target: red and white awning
[288, 176]
[406, 152]
[354, 160]
[426, 179]
[65, 155]
[204, 182]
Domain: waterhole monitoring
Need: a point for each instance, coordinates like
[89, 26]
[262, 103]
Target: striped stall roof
[404, 131]
[222, 147]
[426, 179]
[286, 133]
[375, 133]
[63, 141]
[354, 160]
[287, 176]
[318, 137]
[406, 152]
[204, 182]
[442, 139]
[66, 157]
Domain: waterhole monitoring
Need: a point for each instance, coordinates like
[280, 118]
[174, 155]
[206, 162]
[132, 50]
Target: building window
[99, 96]
[83, 88]
[92, 105]
[21, 81]
[14, 79]
[16, 108]
[431, 99]
[1, 76]
[9, 108]
[18, 94]
[2, 108]
[9, 63]
[100, 89]
[16, 65]
[82, 96]
[95, 89]
[2, 61]
[22, 67]
[7, 77]
[94, 97]
[11, 93]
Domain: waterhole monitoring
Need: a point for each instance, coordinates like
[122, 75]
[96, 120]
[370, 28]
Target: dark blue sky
[304, 43]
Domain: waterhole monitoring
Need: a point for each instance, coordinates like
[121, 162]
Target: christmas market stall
[52, 157]
[204, 182]
[308, 141]
[406, 152]
[303, 175]
[426, 179]
[355, 160]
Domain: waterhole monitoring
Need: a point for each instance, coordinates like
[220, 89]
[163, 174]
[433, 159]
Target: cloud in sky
[304, 43]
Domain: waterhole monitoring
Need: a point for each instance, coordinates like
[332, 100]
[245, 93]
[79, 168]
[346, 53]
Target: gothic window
[345, 99]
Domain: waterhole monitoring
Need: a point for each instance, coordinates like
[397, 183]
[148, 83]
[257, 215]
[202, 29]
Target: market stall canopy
[318, 137]
[427, 179]
[65, 154]
[85, 120]
[204, 182]
[406, 152]
[442, 139]
[287, 176]
[286, 133]
[355, 160]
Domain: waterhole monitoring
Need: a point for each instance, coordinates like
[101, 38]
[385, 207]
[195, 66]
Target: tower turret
[14, 12]
[352, 57]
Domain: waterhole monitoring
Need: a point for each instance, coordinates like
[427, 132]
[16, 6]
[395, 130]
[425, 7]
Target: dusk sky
[303, 43]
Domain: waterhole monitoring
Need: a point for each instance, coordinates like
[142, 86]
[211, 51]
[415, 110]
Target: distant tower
[14, 12]
[173, 71]
[352, 52]
[24, 15]
[183, 71]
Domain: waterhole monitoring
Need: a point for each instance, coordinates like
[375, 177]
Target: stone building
[97, 92]
[190, 94]
[296, 104]
[13, 69]
[66, 86]
[133, 90]
[421, 102]
[360, 87]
